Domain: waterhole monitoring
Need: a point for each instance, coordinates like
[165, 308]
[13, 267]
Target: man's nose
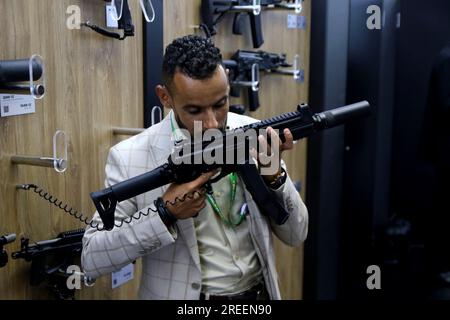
[210, 121]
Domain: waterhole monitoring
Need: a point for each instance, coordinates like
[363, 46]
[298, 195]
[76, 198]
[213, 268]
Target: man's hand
[194, 197]
[272, 159]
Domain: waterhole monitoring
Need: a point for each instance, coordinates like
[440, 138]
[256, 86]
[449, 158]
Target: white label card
[296, 22]
[122, 276]
[16, 104]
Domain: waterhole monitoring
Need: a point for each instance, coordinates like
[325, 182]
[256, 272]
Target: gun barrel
[18, 71]
[341, 115]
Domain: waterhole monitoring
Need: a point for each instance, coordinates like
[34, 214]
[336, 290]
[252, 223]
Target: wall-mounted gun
[184, 166]
[212, 11]
[4, 240]
[50, 260]
[244, 68]
[20, 76]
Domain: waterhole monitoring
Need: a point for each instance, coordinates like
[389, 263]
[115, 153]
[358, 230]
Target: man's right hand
[194, 201]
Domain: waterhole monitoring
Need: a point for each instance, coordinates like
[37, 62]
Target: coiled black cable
[79, 216]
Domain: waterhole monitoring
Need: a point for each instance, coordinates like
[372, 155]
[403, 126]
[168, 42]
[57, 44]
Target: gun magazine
[81, 217]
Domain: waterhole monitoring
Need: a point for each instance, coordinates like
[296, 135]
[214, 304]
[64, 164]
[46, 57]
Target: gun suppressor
[19, 71]
[338, 116]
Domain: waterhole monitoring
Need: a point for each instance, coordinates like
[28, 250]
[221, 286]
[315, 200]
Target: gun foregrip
[257, 35]
[266, 200]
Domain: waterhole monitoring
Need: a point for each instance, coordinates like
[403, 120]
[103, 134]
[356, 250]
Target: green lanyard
[212, 201]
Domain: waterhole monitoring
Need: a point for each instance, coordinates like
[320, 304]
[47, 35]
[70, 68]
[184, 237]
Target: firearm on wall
[18, 76]
[184, 166]
[244, 69]
[50, 260]
[4, 240]
[212, 11]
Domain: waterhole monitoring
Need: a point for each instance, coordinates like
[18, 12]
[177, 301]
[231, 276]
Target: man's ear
[164, 96]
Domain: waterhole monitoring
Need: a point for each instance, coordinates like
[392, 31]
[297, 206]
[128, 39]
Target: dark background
[371, 194]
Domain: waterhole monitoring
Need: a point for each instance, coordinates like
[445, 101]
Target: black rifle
[50, 260]
[4, 240]
[302, 123]
[13, 72]
[212, 11]
[242, 72]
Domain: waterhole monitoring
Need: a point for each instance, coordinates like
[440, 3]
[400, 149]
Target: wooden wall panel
[278, 94]
[93, 83]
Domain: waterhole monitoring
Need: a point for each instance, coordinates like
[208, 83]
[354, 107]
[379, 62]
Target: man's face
[200, 100]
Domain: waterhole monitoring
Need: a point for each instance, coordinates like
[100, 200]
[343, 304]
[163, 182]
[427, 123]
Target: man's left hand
[270, 162]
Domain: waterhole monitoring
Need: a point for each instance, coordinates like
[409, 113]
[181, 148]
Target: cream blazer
[170, 259]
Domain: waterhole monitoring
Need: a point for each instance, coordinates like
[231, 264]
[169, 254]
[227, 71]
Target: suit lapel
[187, 230]
[186, 227]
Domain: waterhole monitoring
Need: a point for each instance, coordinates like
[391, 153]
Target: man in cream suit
[213, 245]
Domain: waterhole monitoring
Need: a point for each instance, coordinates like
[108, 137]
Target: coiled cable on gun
[81, 217]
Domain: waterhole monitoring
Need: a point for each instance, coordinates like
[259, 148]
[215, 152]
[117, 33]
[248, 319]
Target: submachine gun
[50, 260]
[212, 11]
[182, 166]
[245, 67]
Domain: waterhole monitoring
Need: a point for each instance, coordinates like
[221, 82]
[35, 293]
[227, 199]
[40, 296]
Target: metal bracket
[146, 6]
[59, 164]
[118, 6]
[37, 88]
[254, 83]
[255, 7]
[295, 72]
[156, 117]
[297, 6]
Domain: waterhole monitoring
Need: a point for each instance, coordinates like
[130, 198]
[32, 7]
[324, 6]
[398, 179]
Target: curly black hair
[191, 55]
